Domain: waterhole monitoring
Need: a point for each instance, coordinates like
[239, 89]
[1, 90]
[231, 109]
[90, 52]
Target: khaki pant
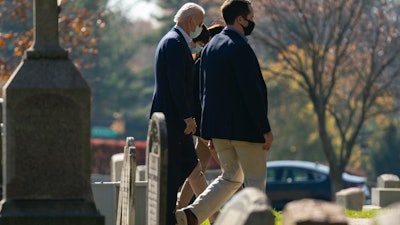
[196, 182]
[241, 162]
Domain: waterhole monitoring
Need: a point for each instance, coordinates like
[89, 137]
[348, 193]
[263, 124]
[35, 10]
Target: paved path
[354, 221]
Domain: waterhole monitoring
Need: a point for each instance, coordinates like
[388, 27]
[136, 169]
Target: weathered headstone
[387, 191]
[313, 212]
[46, 139]
[157, 170]
[126, 199]
[388, 181]
[351, 198]
[117, 161]
[248, 207]
[141, 173]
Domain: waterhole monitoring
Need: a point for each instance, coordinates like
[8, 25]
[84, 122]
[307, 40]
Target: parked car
[289, 180]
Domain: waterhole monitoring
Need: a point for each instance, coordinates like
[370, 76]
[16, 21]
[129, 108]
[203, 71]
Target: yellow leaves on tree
[2, 42]
[78, 29]
[20, 42]
[349, 80]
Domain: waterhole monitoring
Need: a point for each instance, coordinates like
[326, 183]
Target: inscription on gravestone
[126, 199]
[157, 170]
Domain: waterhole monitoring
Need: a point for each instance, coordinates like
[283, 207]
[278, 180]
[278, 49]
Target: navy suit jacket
[174, 69]
[173, 96]
[235, 102]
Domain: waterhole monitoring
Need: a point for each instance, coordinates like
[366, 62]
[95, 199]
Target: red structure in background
[104, 149]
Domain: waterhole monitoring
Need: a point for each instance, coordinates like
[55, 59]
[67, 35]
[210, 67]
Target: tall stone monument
[46, 140]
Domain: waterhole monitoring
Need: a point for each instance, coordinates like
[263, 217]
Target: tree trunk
[335, 171]
[335, 174]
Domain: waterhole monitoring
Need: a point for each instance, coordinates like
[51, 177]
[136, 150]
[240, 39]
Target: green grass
[278, 217]
[205, 223]
[349, 213]
[362, 214]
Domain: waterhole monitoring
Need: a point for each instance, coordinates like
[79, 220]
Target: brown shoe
[185, 217]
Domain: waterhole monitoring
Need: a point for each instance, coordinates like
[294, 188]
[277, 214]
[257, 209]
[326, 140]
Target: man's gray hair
[188, 9]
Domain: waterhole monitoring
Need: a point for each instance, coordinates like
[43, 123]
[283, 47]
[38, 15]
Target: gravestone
[313, 212]
[117, 161]
[141, 173]
[351, 198]
[46, 139]
[157, 170]
[388, 181]
[387, 191]
[248, 207]
[126, 198]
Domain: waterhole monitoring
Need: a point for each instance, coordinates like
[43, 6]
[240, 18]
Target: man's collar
[241, 35]
[185, 35]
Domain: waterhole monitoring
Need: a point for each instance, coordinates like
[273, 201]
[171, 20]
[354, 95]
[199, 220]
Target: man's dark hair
[231, 9]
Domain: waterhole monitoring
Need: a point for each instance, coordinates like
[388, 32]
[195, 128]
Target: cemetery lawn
[349, 213]
[362, 214]
[278, 216]
[205, 223]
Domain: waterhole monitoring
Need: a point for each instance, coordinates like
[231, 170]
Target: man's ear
[239, 19]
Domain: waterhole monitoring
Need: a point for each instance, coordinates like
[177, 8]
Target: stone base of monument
[106, 198]
[50, 212]
[385, 196]
[46, 220]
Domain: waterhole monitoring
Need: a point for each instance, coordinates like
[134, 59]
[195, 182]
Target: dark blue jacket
[174, 69]
[173, 96]
[235, 102]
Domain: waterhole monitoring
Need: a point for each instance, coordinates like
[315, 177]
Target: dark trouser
[182, 159]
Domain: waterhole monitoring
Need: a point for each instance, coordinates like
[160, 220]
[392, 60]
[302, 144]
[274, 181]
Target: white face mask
[196, 49]
[196, 32]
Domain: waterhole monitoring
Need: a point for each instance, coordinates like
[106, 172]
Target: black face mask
[247, 30]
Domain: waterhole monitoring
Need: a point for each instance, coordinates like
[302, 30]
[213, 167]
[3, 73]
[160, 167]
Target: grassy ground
[205, 223]
[362, 214]
[349, 213]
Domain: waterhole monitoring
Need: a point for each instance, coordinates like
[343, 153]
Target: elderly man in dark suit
[173, 94]
[234, 113]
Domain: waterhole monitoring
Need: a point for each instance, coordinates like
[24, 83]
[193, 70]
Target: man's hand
[190, 126]
[211, 145]
[269, 138]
